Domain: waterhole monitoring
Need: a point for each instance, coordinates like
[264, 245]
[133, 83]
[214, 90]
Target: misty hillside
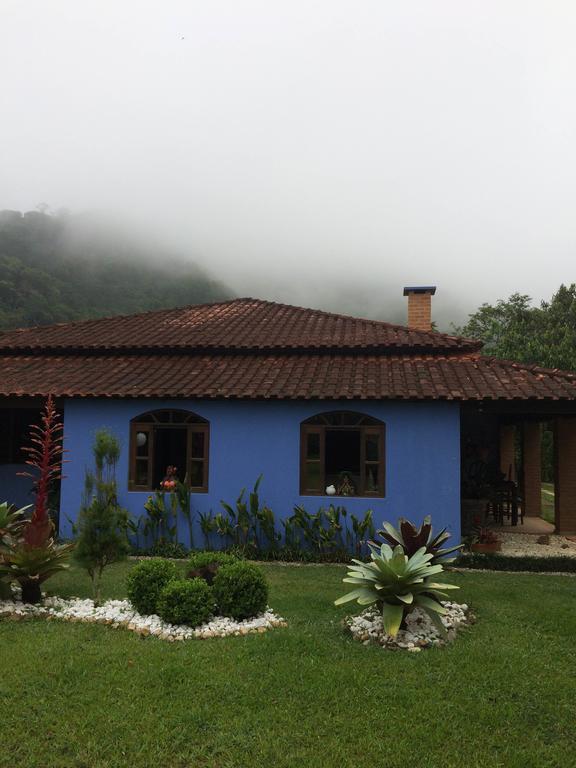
[56, 268]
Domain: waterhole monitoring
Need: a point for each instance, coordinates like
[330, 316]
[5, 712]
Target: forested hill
[55, 268]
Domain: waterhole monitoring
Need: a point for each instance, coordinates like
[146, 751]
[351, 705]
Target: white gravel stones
[522, 544]
[421, 632]
[120, 613]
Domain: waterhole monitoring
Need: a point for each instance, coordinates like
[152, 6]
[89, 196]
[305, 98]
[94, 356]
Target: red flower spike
[45, 456]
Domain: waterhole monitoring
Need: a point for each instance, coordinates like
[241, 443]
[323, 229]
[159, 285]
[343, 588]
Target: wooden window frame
[371, 426]
[150, 423]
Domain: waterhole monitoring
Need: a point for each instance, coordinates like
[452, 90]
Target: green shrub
[146, 581]
[533, 563]
[205, 565]
[186, 601]
[170, 549]
[240, 590]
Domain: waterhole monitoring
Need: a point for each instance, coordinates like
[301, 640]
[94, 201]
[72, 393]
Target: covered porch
[519, 465]
[16, 417]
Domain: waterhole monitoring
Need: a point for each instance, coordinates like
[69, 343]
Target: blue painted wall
[252, 438]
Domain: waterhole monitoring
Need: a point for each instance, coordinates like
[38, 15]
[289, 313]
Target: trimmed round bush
[186, 601]
[201, 559]
[146, 581]
[240, 590]
[205, 565]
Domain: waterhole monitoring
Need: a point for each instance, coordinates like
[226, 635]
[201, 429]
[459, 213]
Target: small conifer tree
[102, 522]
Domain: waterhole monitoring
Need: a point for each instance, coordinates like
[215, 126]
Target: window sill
[310, 495]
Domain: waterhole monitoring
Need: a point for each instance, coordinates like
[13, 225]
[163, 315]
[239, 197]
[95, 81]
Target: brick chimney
[419, 306]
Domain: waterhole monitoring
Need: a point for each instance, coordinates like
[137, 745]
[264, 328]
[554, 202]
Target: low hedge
[533, 563]
[145, 582]
[240, 590]
[186, 601]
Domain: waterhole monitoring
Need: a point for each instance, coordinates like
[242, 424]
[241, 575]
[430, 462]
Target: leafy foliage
[240, 590]
[58, 268]
[396, 583]
[11, 524]
[411, 539]
[145, 582]
[205, 565]
[32, 566]
[102, 522]
[170, 549]
[515, 330]
[248, 524]
[187, 601]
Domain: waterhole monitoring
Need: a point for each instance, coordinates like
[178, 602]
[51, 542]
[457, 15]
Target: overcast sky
[318, 151]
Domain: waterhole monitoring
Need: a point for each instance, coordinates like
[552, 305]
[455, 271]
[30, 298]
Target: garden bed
[121, 614]
[420, 632]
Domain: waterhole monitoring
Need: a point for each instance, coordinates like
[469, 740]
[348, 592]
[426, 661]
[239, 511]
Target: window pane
[141, 472]
[142, 443]
[169, 451]
[313, 478]
[313, 445]
[372, 448]
[198, 445]
[371, 478]
[343, 460]
[197, 474]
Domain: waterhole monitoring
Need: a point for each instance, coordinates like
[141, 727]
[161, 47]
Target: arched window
[344, 450]
[160, 439]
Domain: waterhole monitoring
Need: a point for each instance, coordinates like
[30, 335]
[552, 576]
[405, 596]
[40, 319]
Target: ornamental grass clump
[397, 583]
[240, 590]
[146, 581]
[186, 601]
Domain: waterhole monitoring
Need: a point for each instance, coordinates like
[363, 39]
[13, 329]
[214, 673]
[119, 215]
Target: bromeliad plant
[11, 525]
[397, 583]
[411, 539]
[33, 556]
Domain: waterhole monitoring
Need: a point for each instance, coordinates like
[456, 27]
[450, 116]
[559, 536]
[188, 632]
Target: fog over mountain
[325, 153]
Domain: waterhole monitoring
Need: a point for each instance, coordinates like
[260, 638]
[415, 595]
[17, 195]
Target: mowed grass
[503, 695]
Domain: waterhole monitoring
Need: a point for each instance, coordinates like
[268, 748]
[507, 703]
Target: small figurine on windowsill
[345, 487]
[331, 490]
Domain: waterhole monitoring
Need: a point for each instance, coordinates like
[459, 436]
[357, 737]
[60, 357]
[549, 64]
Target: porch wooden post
[565, 474]
[532, 463]
[507, 451]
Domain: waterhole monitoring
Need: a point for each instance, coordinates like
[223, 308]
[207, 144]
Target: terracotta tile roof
[281, 376]
[240, 324]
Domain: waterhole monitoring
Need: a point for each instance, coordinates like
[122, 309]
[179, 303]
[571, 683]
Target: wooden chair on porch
[505, 503]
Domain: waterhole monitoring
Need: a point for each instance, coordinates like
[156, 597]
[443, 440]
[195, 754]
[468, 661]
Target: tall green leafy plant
[248, 524]
[102, 522]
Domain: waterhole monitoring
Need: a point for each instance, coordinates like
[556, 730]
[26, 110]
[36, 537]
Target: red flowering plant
[482, 536]
[170, 480]
[34, 556]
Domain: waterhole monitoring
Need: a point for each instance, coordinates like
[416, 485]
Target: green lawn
[503, 695]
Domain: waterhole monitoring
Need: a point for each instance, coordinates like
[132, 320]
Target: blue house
[327, 408]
